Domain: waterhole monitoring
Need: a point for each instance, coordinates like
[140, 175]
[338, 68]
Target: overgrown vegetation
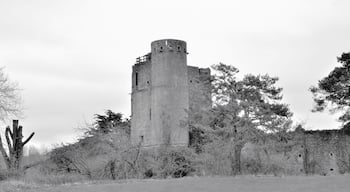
[246, 110]
[247, 131]
[105, 152]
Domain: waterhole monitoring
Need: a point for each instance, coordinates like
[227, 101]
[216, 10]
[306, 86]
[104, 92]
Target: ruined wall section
[321, 152]
[141, 101]
[328, 151]
[199, 89]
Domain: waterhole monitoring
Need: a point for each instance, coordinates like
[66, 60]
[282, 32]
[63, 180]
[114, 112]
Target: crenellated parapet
[168, 46]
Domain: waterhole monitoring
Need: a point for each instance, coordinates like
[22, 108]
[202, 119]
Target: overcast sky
[73, 58]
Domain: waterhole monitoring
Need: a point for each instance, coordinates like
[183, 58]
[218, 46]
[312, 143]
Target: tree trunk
[236, 159]
[112, 170]
[15, 147]
[238, 150]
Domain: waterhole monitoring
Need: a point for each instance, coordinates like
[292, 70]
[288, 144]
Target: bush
[177, 162]
[3, 174]
[215, 159]
[166, 162]
[251, 166]
[273, 169]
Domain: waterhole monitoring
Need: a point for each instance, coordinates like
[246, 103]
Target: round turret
[170, 96]
[168, 45]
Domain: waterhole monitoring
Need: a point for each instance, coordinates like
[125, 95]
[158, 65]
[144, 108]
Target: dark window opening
[190, 81]
[331, 169]
[299, 155]
[141, 138]
[161, 48]
[331, 154]
[136, 78]
[147, 82]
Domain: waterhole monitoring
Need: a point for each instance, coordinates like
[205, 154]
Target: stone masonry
[164, 89]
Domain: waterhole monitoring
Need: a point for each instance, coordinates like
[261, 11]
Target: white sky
[73, 58]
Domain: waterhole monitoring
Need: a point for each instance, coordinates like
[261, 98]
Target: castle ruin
[164, 90]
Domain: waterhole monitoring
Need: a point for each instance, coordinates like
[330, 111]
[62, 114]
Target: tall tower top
[168, 45]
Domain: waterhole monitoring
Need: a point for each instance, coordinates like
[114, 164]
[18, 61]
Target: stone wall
[141, 103]
[322, 152]
[199, 88]
[328, 151]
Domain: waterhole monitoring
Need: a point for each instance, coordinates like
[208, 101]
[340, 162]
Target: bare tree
[9, 97]
[10, 107]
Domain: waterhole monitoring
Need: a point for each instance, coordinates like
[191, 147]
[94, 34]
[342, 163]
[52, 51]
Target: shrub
[273, 169]
[251, 166]
[3, 174]
[215, 159]
[177, 162]
[166, 162]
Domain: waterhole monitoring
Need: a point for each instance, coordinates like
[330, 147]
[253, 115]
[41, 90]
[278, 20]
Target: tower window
[141, 138]
[136, 78]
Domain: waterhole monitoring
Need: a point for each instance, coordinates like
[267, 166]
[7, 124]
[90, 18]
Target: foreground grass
[200, 184]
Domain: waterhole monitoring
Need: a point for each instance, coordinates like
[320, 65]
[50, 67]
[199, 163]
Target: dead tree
[15, 147]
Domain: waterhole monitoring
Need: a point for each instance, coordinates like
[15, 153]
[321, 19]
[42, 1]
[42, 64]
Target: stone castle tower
[164, 91]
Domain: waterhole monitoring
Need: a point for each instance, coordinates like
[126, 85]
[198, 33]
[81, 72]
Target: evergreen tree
[333, 92]
[245, 110]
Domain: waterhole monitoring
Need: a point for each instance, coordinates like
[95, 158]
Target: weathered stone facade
[322, 152]
[164, 89]
[328, 151]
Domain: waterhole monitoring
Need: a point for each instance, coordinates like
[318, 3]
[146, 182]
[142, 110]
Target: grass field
[195, 184]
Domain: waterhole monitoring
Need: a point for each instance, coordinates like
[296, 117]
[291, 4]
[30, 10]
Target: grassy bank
[197, 184]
